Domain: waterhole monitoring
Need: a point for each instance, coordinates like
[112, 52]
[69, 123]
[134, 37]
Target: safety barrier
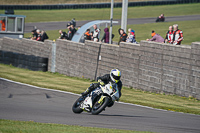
[93, 5]
[30, 62]
[149, 66]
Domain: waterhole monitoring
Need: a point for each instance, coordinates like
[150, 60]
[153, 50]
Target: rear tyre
[98, 108]
[76, 107]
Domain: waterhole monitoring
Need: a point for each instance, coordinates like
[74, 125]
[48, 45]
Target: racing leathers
[178, 37]
[103, 80]
[169, 37]
[96, 35]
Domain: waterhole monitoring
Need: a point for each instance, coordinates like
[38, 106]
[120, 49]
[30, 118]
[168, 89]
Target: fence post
[53, 57]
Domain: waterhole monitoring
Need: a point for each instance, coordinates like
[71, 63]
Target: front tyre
[76, 107]
[99, 107]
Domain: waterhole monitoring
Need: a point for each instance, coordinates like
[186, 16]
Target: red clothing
[178, 37]
[3, 25]
[170, 37]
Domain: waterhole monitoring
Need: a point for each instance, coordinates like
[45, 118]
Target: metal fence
[93, 5]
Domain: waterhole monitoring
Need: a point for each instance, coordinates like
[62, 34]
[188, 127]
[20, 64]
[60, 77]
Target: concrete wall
[148, 66]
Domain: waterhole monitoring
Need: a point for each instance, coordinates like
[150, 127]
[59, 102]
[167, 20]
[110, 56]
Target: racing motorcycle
[96, 101]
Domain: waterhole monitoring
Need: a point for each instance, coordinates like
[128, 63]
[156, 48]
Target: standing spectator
[91, 35]
[39, 35]
[73, 30]
[169, 36]
[34, 34]
[87, 35]
[44, 36]
[3, 24]
[156, 37]
[106, 36]
[96, 33]
[73, 22]
[131, 36]
[63, 35]
[178, 35]
[123, 36]
[69, 33]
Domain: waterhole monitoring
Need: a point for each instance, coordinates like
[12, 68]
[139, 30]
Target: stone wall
[148, 66]
[27, 47]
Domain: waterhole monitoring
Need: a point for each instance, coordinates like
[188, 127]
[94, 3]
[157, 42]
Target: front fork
[101, 99]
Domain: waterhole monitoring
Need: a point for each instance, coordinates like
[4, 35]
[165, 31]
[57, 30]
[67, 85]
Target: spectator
[39, 35]
[73, 30]
[161, 18]
[63, 35]
[156, 37]
[34, 34]
[96, 33]
[131, 36]
[169, 36]
[3, 24]
[44, 36]
[69, 33]
[178, 35]
[73, 22]
[123, 36]
[91, 35]
[87, 35]
[105, 36]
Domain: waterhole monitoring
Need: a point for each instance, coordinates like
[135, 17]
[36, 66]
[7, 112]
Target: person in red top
[169, 36]
[3, 25]
[178, 35]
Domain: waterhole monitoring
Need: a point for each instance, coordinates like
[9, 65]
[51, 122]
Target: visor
[115, 77]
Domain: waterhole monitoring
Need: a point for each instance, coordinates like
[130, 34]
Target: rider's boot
[88, 90]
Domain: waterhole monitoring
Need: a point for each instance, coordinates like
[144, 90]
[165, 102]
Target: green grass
[191, 31]
[78, 85]
[104, 13]
[10, 126]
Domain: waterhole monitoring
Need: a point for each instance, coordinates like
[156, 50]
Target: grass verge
[104, 13]
[143, 31]
[10, 126]
[78, 85]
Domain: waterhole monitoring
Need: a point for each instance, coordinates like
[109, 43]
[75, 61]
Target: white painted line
[40, 87]
[79, 95]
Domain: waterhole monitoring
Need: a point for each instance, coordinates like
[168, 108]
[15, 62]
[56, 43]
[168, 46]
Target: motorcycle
[96, 101]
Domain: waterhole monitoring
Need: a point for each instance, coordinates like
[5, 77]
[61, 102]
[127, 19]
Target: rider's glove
[101, 82]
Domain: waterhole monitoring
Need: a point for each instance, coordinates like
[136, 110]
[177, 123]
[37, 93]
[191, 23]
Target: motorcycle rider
[113, 77]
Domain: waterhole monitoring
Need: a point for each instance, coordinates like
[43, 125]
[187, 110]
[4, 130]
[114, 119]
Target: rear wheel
[99, 107]
[76, 107]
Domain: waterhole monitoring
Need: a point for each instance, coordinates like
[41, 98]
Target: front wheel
[76, 107]
[99, 107]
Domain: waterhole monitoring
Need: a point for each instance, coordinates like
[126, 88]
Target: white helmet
[115, 75]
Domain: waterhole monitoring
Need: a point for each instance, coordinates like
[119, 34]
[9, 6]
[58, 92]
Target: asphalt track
[25, 103]
[62, 25]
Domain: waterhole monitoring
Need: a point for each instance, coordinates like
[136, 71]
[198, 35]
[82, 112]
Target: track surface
[62, 25]
[22, 102]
